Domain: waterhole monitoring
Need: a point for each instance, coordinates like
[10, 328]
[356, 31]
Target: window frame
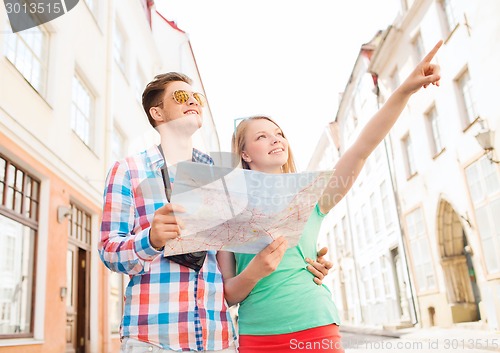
[435, 132]
[420, 238]
[467, 102]
[31, 222]
[487, 200]
[42, 59]
[409, 156]
[90, 120]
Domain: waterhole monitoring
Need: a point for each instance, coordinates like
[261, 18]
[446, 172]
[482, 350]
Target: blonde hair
[238, 143]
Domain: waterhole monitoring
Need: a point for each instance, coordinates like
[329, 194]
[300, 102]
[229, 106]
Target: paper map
[241, 210]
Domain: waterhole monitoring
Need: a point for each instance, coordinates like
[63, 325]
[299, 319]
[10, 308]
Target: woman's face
[266, 150]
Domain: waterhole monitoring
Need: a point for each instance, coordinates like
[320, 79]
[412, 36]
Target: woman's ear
[245, 157]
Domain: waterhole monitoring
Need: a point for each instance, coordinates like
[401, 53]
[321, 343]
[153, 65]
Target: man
[167, 305]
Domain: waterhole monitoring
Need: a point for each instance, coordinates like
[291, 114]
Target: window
[82, 111]
[433, 124]
[338, 243]
[365, 278]
[451, 14]
[357, 103]
[484, 185]
[350, 125]
[359, 231]
[411, 170]
[384, 195]
[464, 85]
[366, 226]
[418, 48]
[420, 250]
[375, 273]
[19, 199]
[345, 234]
[80, 226]
[375, 217]
[28, 51]
[119, 48]
[384, 270]
[394, 79]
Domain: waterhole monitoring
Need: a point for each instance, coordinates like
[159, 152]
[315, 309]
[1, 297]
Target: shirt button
[150, 349]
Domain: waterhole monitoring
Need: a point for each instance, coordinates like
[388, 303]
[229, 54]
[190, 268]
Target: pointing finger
[433, 52]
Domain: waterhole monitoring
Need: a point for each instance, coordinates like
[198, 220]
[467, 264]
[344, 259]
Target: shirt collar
[156, 161]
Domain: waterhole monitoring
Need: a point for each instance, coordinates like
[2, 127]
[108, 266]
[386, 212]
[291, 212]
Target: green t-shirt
[288, 300]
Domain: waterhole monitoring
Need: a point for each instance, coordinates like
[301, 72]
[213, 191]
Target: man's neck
[176, 147]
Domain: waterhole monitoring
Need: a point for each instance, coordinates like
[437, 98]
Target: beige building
[442, 154]
[371, 284]
[69, 106]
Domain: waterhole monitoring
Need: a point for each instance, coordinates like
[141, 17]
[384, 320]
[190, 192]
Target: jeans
[130, 345]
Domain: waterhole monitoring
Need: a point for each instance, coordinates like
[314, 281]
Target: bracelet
[157, 249]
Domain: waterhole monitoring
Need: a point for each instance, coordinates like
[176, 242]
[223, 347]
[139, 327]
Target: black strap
[192, 260]
[165, 176]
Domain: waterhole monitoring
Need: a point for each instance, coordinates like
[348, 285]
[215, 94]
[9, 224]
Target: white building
[69, 106]
[448, 191]
[371, 282]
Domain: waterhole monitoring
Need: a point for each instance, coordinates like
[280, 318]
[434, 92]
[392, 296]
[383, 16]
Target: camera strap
[192, 260]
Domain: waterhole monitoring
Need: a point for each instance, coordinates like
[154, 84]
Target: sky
[287, 59]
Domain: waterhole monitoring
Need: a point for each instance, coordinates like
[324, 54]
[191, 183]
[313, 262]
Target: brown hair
[151, 97]
[238, 143]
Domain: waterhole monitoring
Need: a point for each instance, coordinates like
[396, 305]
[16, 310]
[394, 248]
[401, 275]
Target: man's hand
[165, 225]
[320, 267]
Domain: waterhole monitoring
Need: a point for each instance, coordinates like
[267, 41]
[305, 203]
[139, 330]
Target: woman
[281, 310]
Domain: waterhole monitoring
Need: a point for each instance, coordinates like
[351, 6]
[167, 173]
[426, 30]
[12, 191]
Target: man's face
[179, 113]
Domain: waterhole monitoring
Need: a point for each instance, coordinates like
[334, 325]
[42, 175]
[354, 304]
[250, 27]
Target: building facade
[70, 105]
[443, 161]
[371, 284]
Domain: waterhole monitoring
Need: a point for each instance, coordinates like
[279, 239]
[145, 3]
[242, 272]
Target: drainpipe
[336, 139]
[356, 262]
[397, 203]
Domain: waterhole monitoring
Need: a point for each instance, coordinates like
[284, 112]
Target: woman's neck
[270, 170]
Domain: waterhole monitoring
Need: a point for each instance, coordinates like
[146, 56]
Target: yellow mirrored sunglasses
[181, 97]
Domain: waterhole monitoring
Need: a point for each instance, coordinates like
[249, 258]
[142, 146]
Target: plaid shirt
[165, 303]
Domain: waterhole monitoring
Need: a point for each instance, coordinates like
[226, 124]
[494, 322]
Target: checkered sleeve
[120, 248]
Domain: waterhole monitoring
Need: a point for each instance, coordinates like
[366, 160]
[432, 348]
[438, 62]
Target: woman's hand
[266, 261]
[320, 267]
[237, 287]
[424, 73]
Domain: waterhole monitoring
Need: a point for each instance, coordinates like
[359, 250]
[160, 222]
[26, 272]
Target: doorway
[76, 299]
[456, 259]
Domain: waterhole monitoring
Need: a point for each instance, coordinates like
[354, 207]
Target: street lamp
[485, 138]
